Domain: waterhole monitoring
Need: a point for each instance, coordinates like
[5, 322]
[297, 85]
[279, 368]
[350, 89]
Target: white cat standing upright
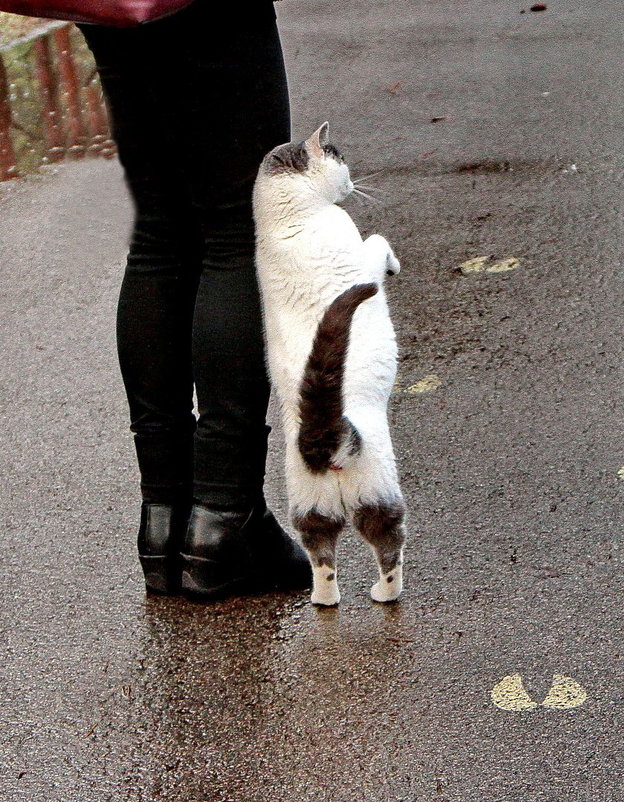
[332, 359]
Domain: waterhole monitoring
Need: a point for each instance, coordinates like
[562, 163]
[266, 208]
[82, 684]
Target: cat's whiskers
[365, 195]
[365, 177]
[368, 187]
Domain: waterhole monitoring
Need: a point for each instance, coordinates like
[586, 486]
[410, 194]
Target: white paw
[393, 266]
[389, 586]
[327, 597]
[325, 588]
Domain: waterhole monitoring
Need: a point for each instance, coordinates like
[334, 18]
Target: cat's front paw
[393, 266]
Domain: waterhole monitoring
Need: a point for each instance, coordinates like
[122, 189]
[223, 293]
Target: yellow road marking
[510, 694]
[425, 385]
[564, 694]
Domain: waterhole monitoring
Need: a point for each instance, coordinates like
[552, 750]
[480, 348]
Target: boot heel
[160, 537]
[162, 574]
[204, 578]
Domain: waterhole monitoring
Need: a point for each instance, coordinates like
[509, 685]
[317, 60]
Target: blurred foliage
[27, 109]
[13, 26]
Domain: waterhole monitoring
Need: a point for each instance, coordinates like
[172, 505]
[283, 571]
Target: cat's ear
[318, 140]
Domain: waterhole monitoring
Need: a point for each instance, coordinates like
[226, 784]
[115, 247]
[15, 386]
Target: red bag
[120, 13]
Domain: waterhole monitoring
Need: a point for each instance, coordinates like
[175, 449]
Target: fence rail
[51, 105]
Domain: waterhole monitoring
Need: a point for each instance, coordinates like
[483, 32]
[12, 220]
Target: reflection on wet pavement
[51, 104]
[499, 675]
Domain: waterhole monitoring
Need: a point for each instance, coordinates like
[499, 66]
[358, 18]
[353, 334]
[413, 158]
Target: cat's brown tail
[324, 428]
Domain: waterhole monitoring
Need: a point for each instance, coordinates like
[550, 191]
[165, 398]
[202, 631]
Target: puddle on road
[51, 105]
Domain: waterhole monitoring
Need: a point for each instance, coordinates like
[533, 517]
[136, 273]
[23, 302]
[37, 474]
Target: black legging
[195, 101]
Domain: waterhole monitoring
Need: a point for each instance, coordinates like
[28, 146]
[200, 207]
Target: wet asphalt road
[510, 465]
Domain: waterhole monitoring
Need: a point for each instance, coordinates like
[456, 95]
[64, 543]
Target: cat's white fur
[309, 251]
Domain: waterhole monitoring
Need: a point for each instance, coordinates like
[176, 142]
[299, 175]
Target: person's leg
[196, 101]
[157, 298]
[238, 109]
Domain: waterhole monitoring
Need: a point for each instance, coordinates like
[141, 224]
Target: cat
[332, 359]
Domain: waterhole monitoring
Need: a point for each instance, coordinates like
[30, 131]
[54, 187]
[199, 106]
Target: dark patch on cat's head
[289, 158]
[332, 150]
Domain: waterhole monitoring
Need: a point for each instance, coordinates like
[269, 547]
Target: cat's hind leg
[382, 525]
[319, 535]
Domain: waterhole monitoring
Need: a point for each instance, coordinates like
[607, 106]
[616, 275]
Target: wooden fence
[51, 105]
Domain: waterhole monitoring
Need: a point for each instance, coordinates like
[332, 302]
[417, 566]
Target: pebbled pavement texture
[496, 134]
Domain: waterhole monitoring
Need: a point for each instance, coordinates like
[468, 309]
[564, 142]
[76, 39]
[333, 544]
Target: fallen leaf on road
[476, 265]
[503, 266]
[425, 385]
[395, 88]
[479, 264]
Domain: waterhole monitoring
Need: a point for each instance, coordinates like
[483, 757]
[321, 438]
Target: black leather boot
[228, 551]
[278, 561]
[216, 560]
[161, 534]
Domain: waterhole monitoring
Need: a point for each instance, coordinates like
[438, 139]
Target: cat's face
[314, 163]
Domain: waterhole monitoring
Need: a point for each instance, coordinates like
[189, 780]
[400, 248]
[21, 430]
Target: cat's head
[314, 165]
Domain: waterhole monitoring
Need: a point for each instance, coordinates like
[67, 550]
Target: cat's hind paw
[325, 590]
[389, 586]
[326, 598]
